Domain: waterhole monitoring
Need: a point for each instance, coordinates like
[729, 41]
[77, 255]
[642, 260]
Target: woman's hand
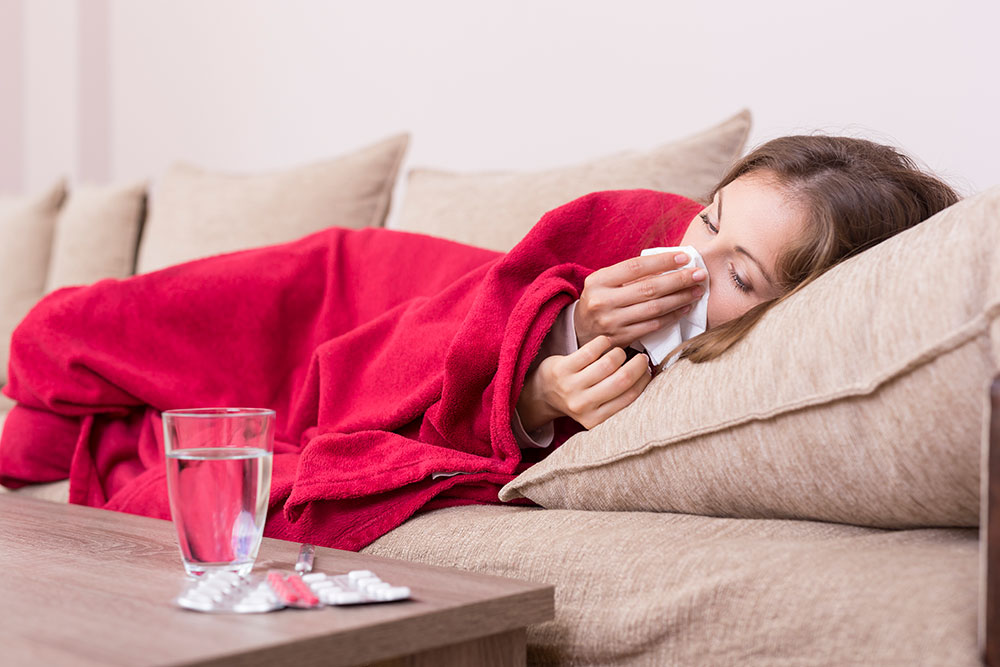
[628, 300]
[588, 385]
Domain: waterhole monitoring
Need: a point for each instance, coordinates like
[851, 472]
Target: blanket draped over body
[388, 357]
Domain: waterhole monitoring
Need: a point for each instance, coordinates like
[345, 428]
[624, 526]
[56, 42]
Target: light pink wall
[94, 113]
[11, 96]
[258, 84]
[115, 90]
[50, 132]
[55, 92]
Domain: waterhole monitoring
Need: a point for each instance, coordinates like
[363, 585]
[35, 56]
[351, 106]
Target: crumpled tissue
[661, 342]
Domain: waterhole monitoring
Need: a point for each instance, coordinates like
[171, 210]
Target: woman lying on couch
[402, 365]
[794, 207]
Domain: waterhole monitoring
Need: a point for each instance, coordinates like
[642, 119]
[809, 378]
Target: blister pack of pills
[230, 592]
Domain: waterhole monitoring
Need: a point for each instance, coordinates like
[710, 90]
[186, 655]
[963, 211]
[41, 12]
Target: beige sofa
[715, 557]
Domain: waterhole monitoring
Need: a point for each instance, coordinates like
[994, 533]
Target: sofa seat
[641, 588]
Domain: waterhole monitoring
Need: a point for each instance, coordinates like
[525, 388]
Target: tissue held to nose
[660, 343]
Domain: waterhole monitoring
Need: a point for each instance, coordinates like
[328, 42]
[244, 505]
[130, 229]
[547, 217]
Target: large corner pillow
[194, 213]
[96, 234]
[861, 399]
[496, 209]
[26, 228]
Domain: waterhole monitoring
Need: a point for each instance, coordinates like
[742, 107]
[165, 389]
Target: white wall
[240, 84]
[50, 92]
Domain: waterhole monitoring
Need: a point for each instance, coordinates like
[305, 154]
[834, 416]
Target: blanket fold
[388, 357]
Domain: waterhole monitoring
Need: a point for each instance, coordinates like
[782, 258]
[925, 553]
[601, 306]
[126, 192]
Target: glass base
[196, 570]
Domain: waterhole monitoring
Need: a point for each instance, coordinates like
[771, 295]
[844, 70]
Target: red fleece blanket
[388, 357]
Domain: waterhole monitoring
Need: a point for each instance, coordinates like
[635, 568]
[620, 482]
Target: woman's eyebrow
[743, 251]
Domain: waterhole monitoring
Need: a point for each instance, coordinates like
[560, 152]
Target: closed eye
[711, 227]
[740, 284]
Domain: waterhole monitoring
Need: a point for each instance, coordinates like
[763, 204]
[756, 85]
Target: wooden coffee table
[84, 586]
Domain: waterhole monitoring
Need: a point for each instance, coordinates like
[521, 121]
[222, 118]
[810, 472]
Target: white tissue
[660, 343]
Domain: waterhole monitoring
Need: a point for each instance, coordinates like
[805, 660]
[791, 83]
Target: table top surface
[86, 586]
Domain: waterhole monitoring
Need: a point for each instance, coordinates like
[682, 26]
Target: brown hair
[856, 193]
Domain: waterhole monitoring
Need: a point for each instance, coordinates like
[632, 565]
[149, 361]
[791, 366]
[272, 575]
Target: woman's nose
[714, 262]
[709, 255]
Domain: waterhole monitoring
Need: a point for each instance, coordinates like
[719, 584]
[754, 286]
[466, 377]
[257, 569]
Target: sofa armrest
[989, 623]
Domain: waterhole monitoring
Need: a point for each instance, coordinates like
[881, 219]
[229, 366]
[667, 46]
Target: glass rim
[219, 412]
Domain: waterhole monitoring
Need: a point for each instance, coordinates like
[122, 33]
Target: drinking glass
[219, 480]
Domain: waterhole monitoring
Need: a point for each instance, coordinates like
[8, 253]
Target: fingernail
[685, 310]
[698, 291]
[681, 258]
[699, 275]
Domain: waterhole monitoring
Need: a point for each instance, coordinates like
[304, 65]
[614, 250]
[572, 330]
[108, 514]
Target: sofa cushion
[194, 213]
[860, 399]
[496, 209]
[56, 492]
[26, 225]
[643, 588]
[96, 235]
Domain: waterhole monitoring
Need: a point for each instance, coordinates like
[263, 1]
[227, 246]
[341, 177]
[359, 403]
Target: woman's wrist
[532, 406]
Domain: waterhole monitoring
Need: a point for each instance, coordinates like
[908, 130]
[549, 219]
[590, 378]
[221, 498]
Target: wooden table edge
[509, 615]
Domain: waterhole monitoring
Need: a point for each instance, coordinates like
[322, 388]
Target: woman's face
[740, 235]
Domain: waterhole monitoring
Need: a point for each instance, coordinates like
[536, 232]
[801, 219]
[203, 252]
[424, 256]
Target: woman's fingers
[601, 368]
[610, 311]
[660, 285]
[605, 376]
[637, 331]
[659, 307]
[596, 381]
[614, 392]
[618, 296]
[604, 297]
[634, 268]
[588, 354]
[627, 325]
[619, 381]
[624, 399]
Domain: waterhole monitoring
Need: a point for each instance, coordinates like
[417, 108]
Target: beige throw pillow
[495, 210]
[195, 213]
[96, 235]
[26, 225]
[859, 400]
